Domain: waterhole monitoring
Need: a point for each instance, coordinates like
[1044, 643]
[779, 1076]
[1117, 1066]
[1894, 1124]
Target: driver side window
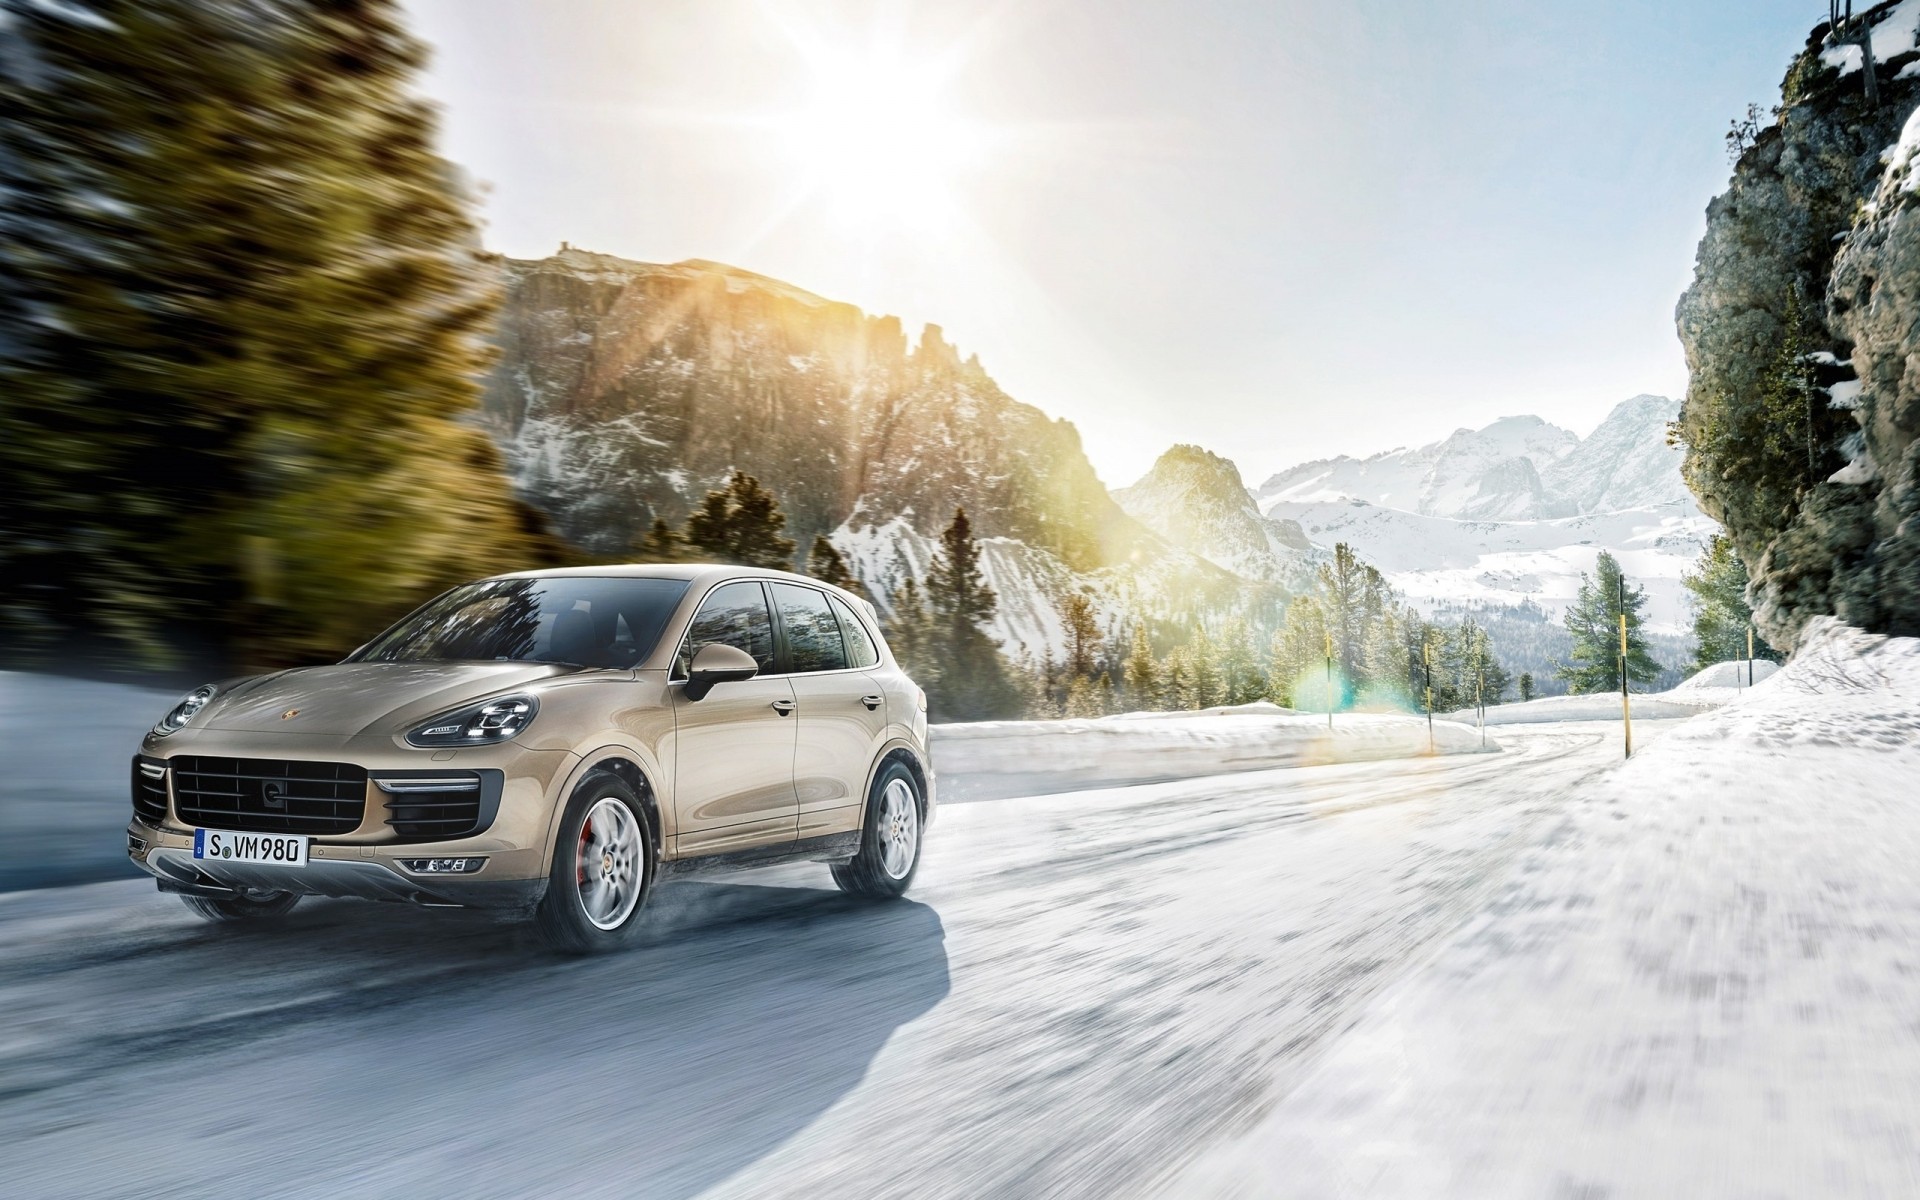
[734, 614]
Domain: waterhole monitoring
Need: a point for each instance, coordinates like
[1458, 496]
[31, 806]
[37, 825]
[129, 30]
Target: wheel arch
[900, 752]
[623, 764]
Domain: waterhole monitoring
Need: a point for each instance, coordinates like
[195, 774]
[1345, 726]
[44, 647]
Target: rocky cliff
[625, 390]
[1801, 410]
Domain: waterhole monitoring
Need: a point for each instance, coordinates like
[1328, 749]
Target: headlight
[481, 724]
[188, 708]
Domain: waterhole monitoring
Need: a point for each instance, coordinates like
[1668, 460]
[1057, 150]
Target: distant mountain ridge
[1515, 469]
[1511, 515]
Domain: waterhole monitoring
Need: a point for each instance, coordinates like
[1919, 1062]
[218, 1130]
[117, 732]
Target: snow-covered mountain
[1625, 463]
[1512, 513]
[1486, 474]
[1516, 469]
[1197, 502]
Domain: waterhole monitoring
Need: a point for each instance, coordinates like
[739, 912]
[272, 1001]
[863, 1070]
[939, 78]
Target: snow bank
[1701, 691]
[989, 759]
[1700, 982]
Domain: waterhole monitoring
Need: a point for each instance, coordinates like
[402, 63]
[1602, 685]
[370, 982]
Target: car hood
[348, 698]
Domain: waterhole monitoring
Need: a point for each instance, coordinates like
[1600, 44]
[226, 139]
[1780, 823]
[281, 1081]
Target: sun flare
[879, 140]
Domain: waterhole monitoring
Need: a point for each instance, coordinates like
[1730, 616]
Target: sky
[1277, 230]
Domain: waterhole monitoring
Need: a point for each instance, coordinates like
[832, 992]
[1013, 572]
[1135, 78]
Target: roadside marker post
[1626, 708]
[1426, 676]
[1749, 655]
[1329, 634]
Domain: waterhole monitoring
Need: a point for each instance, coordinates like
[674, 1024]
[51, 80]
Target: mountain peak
[1196, 500]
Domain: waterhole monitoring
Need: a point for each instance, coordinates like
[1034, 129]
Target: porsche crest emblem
[289, 714]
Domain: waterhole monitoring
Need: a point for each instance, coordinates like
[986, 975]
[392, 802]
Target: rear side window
[735, 614]
[861, 651]
[813, 633]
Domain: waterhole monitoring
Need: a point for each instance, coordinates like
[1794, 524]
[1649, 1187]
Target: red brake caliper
[580, 859]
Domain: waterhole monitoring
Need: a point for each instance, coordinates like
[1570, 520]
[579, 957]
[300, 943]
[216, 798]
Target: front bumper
[348, 872]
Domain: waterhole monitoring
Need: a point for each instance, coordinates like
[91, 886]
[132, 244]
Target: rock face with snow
[626, 390]
[1625, 463]
[1808, 277]
[1196, 501]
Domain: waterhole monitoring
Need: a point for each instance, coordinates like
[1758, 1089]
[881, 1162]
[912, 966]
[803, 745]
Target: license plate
[276, 849]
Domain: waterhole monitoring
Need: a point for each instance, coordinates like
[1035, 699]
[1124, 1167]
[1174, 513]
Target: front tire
[224, 909]
[890, 844]
[603, 869]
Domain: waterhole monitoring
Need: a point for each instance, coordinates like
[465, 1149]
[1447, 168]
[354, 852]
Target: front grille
[149, 791]
[269, 795]
[431, 805]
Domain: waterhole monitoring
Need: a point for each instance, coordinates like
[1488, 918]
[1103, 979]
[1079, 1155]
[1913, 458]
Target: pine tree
[910, 634]
[1721, 614]
[1347, 588]
[1203, 660]
[1526, 686]
[660, 544]
[1297, 658]
[1242, 681]
[1594, 621]
[243, 319]
[1142, 671]
[1176, 682]
[1083, 697]
[1082, 628]
[974, 683]
[825, 563]
[741, 524]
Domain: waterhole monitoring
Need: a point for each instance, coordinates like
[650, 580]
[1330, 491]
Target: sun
[878, 140]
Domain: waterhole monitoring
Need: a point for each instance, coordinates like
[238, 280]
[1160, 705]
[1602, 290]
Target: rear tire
[890, 844]
[243, 908]
[603, 870]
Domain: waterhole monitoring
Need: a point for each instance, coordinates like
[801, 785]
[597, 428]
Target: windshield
[587, 621]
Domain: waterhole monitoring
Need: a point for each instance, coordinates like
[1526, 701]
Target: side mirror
[717, 662]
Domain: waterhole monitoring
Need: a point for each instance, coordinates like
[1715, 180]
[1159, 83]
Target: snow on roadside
[1700, 982]
[987, 759]
[1707, 689]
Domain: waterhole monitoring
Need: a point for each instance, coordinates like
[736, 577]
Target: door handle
[872, 702]
[783, 707]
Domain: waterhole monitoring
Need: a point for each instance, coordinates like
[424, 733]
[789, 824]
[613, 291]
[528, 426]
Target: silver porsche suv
[550, 742]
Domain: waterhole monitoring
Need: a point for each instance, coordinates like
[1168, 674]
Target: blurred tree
[660, 544]
[825, 563]
[1721, 614]
[1526, 686]
[241, 318]
[741, 524]
[1594, 621]
[974, 684]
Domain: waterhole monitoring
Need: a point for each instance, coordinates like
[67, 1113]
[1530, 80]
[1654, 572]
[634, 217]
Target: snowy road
[1086, 993]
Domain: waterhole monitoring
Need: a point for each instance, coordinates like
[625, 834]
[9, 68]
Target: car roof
[689, 572]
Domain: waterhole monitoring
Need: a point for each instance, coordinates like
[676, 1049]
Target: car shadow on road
[486, 1067]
